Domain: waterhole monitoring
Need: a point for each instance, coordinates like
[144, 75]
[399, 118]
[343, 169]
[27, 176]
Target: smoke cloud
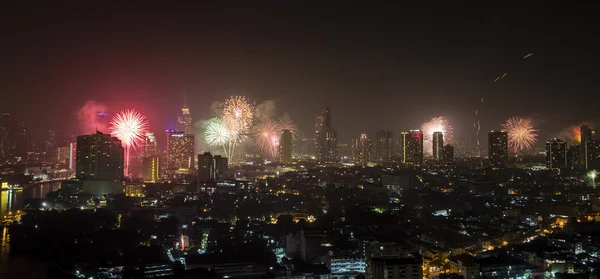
[88, 118]
[266, 110]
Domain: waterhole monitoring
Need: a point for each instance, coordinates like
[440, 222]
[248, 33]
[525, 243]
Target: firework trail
[521, 134]
[266, 138]
[129, 126]
[436, 124]
[476, 123]
[237, 113]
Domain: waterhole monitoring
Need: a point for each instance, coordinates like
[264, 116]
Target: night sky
[381, 67]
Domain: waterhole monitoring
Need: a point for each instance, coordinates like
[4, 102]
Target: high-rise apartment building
[574, 156]
[362, 150]
[394, 267]
[211, 167]
[556, 154]
[448, 153]
[62, 155]
[325, 138]
[99, 157]
[180, 151]
[384, 146]
[438, 145]
[592, 155]
[586, 135]
[412, 147]
[151, 168]
[285, 147]
[498, 148]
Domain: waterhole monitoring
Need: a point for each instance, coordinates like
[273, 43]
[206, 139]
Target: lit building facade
[384, 146]
[151, 168]
[285, 147]
[556, 154]
[99, 157]
[438, 145]
[574, 156]
[150, 145]
[325, 138]
[362, 150]
[180, 151]
[498, 148]
[412, 147]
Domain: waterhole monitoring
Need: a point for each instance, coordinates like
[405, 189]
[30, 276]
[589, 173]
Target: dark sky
[381, 67]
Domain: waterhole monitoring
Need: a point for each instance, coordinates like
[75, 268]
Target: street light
[592, 176]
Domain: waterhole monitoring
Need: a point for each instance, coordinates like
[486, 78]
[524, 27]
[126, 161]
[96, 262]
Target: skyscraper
[448, 153]
[384, 146]
[592, 155]
[180, 151]
[362, 150]
[498, 148]
[184, 120]
[99, 157]
[412, 147]
[556, 154]
[325, 138]
[438, 145]
[151, 168]
[586, 135]
[574, 156]
[8, 137]
[150, 145]
[211, 167]
[285, 147]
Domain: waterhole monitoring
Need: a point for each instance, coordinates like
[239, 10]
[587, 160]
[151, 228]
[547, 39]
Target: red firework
[129, 126]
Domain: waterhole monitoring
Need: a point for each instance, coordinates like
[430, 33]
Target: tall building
[498, 148]
[150, 145]
[412, 147]
[24, 143]
[7, 137]
[438, 145]
[211, 167]
[73, 155]
[448, 153]
[362, 150]
[50, 146]
[99, 157]
[285, 147]
[220, 166]
[184, 120]
[62, 155]
[180, 151]
[574, 156]
[586, 134]
[325, 138]
[556, 154]
[384, 146]
[151, 168]
[592, 155]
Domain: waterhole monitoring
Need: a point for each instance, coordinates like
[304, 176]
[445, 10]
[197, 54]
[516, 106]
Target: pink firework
[266, 138]
[436, 124]
[521, 134]
[129, 126]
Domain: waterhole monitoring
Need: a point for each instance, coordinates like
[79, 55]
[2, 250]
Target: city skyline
[378, 70]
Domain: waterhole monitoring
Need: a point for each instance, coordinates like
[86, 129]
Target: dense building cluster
[377, 207]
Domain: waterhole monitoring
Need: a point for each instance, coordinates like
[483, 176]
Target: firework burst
[266, 138]
[521, 134]
[285, 123]
[436, 124]
[129, 126]
[237, 113]
[216, 133]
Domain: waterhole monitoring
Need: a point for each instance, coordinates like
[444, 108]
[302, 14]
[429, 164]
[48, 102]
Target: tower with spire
[184, 119]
